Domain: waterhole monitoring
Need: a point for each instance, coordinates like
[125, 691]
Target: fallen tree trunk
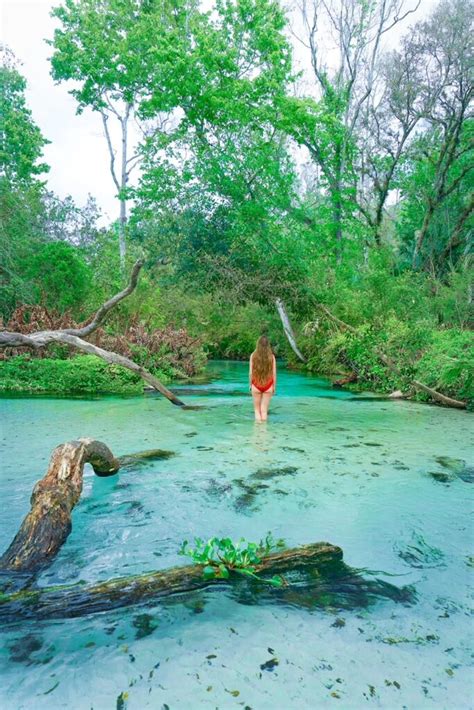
[73, 338]
[48, 523]
[78, 600]
[290, 336]
[391, 365]
[442, 398]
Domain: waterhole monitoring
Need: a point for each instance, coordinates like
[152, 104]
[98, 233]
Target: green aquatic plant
[221, 556]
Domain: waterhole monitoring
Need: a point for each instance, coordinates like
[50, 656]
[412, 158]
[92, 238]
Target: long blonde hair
[262, 361]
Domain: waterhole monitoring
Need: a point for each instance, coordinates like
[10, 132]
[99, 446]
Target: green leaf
[223, 572]
[209, 572]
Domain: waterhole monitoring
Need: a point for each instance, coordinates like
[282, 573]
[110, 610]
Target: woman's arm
[274, 375]
[250, 372]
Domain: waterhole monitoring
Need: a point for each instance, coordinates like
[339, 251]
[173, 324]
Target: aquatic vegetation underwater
[386, 627]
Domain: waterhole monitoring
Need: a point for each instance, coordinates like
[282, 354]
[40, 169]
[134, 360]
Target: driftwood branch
[391, 365]
[442, 398]
[101, 314]
[48, 523]
[280, 306]
[73, 338]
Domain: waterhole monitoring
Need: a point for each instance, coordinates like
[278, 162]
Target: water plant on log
[79, 599]
[74, 337]
[221, 557]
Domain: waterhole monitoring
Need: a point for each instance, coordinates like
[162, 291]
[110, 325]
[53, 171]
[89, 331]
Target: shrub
[448, 364]
[84, 374]
[60, 275]
[167, 350]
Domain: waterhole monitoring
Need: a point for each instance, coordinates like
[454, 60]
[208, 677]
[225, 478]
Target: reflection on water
[389, 482]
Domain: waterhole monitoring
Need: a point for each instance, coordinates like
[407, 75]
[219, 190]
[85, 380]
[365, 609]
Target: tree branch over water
[73, 338]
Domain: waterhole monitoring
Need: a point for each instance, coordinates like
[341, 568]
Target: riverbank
[88, 375]
[83, 374]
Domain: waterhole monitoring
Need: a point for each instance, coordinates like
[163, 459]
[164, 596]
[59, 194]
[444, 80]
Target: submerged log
[143, 457]
[48, 523]
[78, 600]
[315, 576]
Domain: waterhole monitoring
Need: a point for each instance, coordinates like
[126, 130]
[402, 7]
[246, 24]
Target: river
[388, 481]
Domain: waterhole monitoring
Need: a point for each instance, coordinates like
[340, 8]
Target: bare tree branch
[72, 337]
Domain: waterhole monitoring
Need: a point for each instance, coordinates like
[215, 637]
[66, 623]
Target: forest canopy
[253, 189]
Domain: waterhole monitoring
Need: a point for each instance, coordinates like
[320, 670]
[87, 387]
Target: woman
[262, 377]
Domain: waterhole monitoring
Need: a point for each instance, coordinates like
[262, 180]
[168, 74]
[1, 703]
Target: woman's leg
[266, 397]
[257, 401]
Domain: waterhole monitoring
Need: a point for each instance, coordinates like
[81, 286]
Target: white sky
[77, 155]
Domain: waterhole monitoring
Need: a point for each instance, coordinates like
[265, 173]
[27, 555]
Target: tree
[60, 276]
[329, 122]
[96, 48]
[21, 149]
[446, 42]
[126, 56]
[21, 140]
[389, 123]
[445, 214]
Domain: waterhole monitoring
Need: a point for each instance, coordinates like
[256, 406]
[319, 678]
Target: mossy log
[143, 457]
[48, 523]
[78, 600]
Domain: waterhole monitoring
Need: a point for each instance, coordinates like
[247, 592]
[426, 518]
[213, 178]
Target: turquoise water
[363, 480]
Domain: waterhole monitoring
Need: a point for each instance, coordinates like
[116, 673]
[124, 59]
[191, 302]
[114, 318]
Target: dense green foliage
[84, 374]
[348, 195]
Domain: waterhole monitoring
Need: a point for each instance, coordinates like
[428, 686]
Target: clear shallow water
[363, 481]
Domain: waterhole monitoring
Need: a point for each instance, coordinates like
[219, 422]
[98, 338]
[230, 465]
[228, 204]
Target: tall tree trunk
[455, 239]
[288, 329]
[337, 202]
[123, 187]
[420, 237]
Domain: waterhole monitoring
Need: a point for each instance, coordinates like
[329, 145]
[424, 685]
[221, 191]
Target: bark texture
[48, 523]
[288, 329]
[78, 599]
